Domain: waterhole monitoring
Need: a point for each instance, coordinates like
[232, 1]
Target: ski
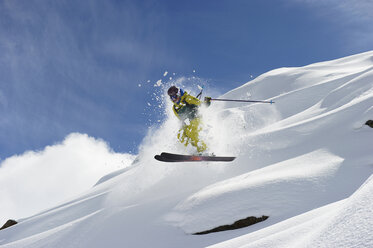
[171, 157]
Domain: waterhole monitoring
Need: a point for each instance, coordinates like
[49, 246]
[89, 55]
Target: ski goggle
[173, 97]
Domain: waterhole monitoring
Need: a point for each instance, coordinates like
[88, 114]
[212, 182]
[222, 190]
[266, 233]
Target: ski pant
[189, 134]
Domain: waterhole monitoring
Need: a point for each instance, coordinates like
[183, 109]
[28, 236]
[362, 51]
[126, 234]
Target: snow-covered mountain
[305, 162]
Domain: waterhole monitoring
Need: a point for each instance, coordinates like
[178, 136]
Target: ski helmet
[172, 91]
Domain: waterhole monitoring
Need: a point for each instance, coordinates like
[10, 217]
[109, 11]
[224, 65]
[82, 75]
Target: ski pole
[199, 95]
[233, 100]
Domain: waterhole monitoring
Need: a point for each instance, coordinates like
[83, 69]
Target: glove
[208, 100]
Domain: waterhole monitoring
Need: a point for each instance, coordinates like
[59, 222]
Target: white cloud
[354, 17]
[34, 181]
[349, 10]
[360, 10]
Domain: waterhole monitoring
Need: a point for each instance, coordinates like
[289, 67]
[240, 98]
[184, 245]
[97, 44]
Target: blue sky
[75, 66]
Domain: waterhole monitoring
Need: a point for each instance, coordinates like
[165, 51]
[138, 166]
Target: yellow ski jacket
[187, 107]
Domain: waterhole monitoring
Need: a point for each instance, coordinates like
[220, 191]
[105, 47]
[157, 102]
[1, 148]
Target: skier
[186, 109]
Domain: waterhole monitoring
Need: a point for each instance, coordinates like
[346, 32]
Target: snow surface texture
[302, 161]
[347, 223]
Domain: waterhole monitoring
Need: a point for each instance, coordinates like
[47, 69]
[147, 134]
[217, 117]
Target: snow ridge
[302, 161]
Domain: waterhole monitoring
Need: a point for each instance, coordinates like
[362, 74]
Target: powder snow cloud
[37, 180]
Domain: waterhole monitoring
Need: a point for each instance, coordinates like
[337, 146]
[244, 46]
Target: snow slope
[299, 162]
[347, 223]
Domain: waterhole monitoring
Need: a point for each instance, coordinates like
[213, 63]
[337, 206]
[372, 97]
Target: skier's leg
[193, 134]
[182, 136]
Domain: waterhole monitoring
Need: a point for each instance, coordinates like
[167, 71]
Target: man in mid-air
[186, 109]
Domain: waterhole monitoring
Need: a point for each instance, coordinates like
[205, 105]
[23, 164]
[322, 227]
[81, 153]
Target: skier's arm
[175, 112]
[192, 100]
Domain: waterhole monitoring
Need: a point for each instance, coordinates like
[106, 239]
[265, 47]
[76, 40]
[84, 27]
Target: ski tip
[160, 158]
